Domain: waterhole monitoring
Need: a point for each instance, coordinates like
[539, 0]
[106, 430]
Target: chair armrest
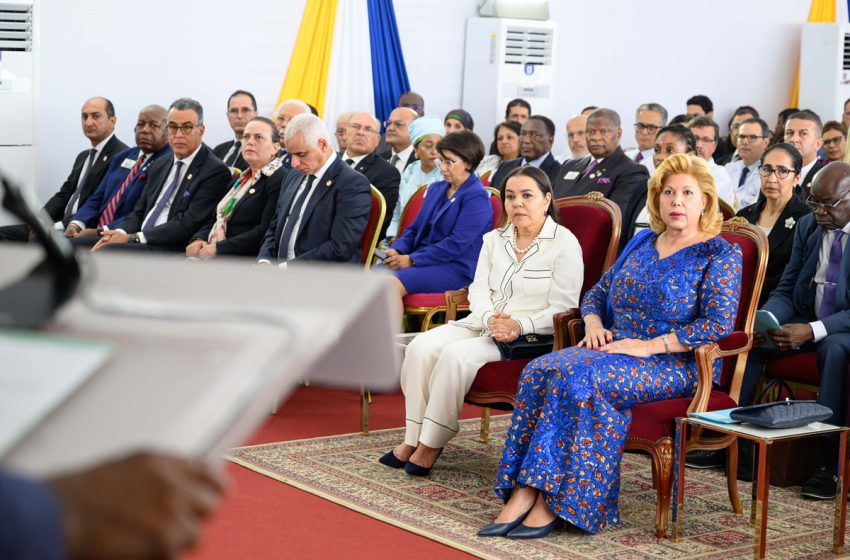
[736, 343]
[453, 299]
[575, 330]
[561, 322]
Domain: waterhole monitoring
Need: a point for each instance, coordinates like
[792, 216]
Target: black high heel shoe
[413, 469]
[390, 460]
[526, 532]
[502, 529]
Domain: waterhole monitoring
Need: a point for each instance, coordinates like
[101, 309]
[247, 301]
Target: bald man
[401, 152]
[97, 118]
[284, 113]
[812, 303]
[575, 138]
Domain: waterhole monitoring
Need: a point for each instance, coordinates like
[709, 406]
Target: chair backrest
[498, 208]
[596, 223]
[373, 227]
[411, 209]
[754, 249]
[727, 211]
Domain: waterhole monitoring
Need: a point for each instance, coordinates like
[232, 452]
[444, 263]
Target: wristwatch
[133, 238]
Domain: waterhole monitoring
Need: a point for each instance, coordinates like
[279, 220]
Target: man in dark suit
[812, 303]
[117, 194]
[182, 191]
[804, 131]
[607, 169]
[241, 108]
[98, 120]
[535, 147]
[361, 139]
[400, 153]
[324, 204]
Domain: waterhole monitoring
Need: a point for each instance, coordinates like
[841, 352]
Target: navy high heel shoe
[502, 529]
[390, 460]
[526, 532]
[413, 469]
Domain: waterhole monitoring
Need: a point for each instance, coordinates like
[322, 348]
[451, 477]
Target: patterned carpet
[457, 499]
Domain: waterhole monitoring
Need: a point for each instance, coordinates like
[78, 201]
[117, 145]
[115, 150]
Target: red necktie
[109, 214]
[639, 157]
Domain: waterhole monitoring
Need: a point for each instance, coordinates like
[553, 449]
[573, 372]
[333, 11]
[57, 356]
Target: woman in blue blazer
[439, 250]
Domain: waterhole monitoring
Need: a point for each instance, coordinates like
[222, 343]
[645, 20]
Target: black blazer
[549, 166]
[203, 185]
[637, 202]
[221, 151]
[617, 177]
[780, 240]
[334, 219]
[55, 207]
[388, 154]
[385, 178]
[251, 217]
[804, 189]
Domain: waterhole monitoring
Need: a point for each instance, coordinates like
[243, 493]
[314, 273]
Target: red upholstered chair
[790, 374]
[429, 305]
[373, 227]
[727, 211]
[595, 221]
[411, 209]
[653, 427]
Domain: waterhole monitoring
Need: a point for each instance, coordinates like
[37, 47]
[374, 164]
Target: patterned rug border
[347, 504]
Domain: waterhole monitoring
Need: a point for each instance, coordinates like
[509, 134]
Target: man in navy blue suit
[324, 204]
[812, 303]
[126, 177]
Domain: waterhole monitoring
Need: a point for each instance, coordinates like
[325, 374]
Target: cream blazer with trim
[546, 281]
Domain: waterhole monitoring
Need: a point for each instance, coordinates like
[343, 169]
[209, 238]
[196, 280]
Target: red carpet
[263, 518]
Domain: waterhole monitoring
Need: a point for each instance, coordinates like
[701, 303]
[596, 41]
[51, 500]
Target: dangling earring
[702, 213]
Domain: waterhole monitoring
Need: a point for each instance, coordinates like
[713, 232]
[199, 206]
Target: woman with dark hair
[437, 252]
[527, 271]
[507, 148]
[671, 139]
[778, 209]
[458, 120]
[781, 118]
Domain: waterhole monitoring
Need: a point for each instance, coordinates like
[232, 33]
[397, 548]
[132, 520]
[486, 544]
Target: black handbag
[526, 346]
[782, 414]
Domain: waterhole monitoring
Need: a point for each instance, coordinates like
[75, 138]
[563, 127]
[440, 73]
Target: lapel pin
[104, 158]
[329, 183]
[252, 191]
[189, 177]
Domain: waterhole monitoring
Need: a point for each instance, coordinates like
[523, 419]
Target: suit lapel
[322, 189]
[188, 182]
[365, 164]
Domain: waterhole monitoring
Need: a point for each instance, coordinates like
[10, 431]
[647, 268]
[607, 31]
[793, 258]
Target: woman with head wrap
[425, 132]
[458, 120]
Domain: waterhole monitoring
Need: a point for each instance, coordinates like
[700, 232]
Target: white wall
[616, 53]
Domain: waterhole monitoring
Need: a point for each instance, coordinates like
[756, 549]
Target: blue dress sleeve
[30, 524]
[718, 296]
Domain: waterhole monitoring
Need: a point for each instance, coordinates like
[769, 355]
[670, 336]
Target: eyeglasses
[780, 172]
[533, 134]
[831, 141]
[640, 127]
[825, 206]
[448, 164]
[749, 137]
[397, 124]
[366, 129]
[184, 128]
[704, 140]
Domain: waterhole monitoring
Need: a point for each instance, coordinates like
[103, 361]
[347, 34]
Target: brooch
[604, 181]
[789, 223]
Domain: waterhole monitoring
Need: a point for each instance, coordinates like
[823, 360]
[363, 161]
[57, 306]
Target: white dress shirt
[818, 330]
[89, 161]
[546, 281]
[403, 156]
[535, 162]
[747, 193]
[723, 184]
[290, 249]
[355, 159]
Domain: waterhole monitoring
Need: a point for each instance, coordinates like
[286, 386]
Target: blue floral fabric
[571, 421]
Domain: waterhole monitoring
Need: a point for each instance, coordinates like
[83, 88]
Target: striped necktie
[108, 215]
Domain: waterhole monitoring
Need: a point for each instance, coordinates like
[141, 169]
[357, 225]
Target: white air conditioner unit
[507, 59]
[825, 69]
[17, 93]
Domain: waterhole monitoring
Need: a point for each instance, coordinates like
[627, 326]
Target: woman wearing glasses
[438, 251]
[778, 209]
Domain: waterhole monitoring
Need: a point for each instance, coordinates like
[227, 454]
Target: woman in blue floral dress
[675, 287]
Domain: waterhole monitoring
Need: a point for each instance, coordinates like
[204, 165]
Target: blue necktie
[164, 199]
[292, 219]
[744, 174]
[827, 304]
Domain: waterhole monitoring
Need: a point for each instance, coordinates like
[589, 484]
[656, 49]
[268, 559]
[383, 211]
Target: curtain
[389, 74]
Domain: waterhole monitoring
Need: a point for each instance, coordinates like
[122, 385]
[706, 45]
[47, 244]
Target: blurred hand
[73, 230]
[143, 506]
[630, 347]
[396, 261]
[208, 251]
[596, 336]
[791, 335]
[110, 237]
[503, 328]
[195, 247]
[758, 340]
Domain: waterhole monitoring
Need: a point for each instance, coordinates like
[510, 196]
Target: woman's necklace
[526, 249]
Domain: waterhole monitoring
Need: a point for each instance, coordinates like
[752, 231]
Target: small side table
[764, 438]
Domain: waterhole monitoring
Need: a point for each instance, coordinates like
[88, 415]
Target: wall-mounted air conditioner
[506, 59]
[825, 69]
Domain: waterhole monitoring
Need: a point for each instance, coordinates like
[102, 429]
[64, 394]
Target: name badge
[128, 163]
[571, 176]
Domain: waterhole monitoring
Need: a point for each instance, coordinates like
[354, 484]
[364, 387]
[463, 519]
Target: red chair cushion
[496, 204]
[802, 368]
[495, 384]
[592, 227]
[425, 300]
[656, 420]
[411, 210]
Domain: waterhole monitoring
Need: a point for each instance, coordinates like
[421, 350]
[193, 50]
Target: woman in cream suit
[527, 272]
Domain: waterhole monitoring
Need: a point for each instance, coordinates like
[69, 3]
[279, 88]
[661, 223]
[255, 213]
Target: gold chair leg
[365, 399]
[485, 425]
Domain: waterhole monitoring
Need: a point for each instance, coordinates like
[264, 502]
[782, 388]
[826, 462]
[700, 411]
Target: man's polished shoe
[390, 460]
[526, 532]
[501, 529]
[820, 486]
[702, 459]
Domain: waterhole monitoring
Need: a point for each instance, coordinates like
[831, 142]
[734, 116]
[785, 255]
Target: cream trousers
[439, 367]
